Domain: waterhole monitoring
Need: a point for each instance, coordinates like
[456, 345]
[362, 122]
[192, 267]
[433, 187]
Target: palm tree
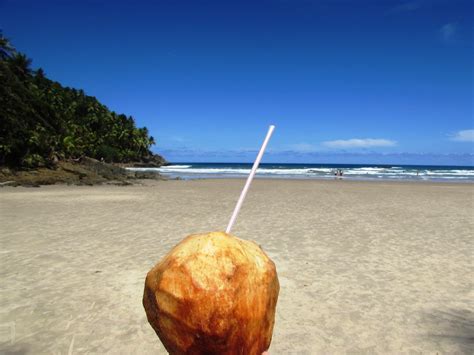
[40, 73]
[20, 64]
[44, 119]
[6, 49]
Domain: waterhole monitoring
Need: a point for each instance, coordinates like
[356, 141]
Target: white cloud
[303, 148]
[448, 31]
[464, 136]
[177, 139]
[360, 143]
[405, 7]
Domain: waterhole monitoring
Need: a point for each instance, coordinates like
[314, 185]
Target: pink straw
[249, 179]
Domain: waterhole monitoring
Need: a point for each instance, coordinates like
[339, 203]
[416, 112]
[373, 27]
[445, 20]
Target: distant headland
[52, 134]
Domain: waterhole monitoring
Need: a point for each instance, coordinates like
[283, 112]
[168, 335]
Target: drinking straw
[249, 179]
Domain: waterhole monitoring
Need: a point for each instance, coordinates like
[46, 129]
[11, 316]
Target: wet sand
[364, 267]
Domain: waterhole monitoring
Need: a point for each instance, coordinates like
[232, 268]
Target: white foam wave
[359, 172]
[175, 167]
[450, 172]
[239, 171]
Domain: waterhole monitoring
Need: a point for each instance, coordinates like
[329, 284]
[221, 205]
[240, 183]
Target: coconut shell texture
[213, 294]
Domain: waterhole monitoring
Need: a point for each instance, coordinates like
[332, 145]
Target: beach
[364, 267]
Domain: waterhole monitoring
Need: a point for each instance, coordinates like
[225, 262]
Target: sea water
[318, 171]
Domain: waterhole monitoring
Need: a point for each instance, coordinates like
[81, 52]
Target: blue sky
[343, 81]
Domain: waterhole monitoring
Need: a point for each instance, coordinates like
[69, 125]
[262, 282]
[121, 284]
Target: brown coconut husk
[213, 294]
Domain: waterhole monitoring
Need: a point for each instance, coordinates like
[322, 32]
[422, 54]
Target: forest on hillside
[42, 121]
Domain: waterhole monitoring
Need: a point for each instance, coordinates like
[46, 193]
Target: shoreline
[163, 179]
[345, 179]
[88, 171]
[318, 171]
[151, 182]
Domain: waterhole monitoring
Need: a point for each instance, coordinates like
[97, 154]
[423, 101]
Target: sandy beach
[364, 267]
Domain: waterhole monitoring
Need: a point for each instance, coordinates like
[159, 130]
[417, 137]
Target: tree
[20, 64]
[6, 49]
[41, 119]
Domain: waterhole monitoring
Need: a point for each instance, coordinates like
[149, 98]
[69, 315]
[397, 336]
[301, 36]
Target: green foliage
[109, 153]
[40, 119]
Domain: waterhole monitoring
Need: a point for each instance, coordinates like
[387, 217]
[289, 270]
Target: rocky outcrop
[106, 170]
[151, 161]
[83, 171]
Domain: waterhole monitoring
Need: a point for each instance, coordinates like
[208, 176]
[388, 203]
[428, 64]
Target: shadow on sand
[17, 349]
[452, 327]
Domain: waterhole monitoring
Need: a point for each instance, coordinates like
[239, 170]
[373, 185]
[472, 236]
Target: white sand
[364, 267]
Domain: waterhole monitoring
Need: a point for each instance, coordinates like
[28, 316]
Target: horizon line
[273, 163]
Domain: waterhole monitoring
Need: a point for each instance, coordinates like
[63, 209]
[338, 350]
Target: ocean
[318, 171]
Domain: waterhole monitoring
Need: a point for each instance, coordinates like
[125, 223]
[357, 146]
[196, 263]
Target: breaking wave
[360, 172]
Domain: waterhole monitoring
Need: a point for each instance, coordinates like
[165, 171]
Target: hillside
[43, 122]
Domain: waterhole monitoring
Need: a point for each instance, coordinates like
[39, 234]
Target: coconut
[213, 294]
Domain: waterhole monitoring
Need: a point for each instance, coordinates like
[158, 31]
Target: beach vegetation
[42, 121]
